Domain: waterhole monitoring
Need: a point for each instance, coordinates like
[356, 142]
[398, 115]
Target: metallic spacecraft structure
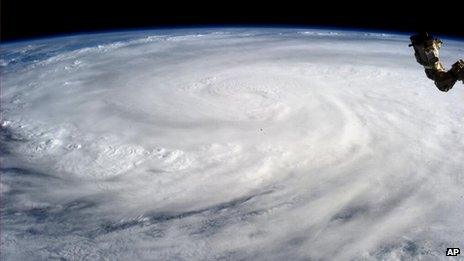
[426, 50]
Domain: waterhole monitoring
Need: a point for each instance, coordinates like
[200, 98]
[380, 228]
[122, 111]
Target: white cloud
[236, 145]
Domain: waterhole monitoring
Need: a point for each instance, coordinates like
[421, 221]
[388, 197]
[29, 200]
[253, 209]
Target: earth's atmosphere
[234, 144]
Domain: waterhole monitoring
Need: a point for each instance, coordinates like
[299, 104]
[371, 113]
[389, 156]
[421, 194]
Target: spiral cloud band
[228, 144]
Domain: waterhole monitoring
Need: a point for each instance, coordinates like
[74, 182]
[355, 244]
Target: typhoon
[228, 144]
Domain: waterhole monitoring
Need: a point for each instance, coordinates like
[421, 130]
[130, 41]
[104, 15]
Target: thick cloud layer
[228, 144]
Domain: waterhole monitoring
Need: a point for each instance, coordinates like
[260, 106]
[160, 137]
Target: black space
[22, 19]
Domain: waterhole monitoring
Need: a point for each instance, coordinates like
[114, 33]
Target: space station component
[426, 51]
